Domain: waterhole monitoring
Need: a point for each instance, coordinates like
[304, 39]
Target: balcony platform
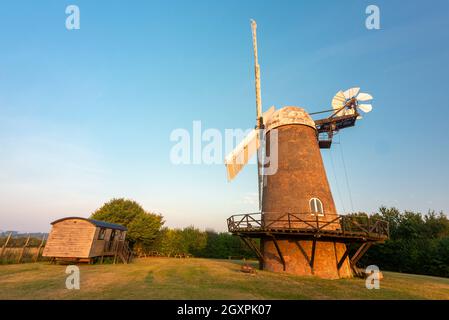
[301, 226]
[362, 231]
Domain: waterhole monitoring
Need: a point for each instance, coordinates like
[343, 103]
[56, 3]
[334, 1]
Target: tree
[418, 244]
[169, 242]
[223, 245]
[194, 240]
[143, 227]
[205, 244]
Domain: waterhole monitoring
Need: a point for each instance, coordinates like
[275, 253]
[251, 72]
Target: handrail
[309, 222]
[119, 247]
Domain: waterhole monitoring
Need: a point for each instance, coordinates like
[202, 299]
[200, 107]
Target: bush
[143, 227]
[418, 244]
[205, 244]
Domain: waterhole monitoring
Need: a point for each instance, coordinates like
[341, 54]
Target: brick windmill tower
[298, 227]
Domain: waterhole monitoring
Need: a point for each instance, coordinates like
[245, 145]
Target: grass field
[11, 255]
[168, 278]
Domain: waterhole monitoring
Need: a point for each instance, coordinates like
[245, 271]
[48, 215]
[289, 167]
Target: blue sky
[86, 115]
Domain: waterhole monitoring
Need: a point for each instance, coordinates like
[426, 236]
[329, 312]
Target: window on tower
[316, 206]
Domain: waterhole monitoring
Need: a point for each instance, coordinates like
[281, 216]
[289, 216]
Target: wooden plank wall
[70, 239]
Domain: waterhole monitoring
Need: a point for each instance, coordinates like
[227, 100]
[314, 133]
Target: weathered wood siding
[98, 245]
[70, 238]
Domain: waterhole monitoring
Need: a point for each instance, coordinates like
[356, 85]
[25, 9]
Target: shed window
[102, 234]
[112, 235]
[316, 206]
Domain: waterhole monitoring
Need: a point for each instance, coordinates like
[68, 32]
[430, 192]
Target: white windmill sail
[240, 156]
[351, 93]
[364, 97]
[338, 102]
[365, 107]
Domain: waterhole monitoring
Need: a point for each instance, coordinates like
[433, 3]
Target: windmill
[298, 226]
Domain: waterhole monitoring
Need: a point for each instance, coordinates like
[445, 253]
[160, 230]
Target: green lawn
[169, 278]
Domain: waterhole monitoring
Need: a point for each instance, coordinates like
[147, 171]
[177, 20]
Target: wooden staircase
[124, 253]
[120, 250]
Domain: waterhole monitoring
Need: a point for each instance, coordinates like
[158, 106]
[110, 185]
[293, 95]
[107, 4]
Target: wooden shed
[84, 240]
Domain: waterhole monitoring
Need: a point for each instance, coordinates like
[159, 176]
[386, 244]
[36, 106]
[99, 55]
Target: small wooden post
[4, 246]
[39, 249]
[312, 258]
[23, 249]
[115, 253]
[369, 226]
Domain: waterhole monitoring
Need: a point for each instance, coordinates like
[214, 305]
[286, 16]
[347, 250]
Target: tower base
[324, 259]
[295, 244]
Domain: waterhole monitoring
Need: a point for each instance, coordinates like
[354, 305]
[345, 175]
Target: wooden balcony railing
[310, 223]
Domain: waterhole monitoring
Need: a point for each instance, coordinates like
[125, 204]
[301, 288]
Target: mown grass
[168, 278]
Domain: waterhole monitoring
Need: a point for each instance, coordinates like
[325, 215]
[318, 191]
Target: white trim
[313, 205]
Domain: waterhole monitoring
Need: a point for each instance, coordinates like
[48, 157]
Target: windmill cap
[289, 115]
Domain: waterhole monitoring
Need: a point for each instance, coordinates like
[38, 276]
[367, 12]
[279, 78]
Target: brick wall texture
[300, 176]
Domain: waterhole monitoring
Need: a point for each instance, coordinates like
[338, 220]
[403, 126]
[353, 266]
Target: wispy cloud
[251, 198]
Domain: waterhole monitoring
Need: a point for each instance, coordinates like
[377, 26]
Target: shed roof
[97, 223]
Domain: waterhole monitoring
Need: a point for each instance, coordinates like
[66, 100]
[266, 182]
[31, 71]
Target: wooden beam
[309, 261]
[6, 243]
[328, 223]
[36, 258]
[312, 259]
[115, 252]
[23, 249]
[252, 246]
[343, 258]
[279, 251]
[360, 252]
